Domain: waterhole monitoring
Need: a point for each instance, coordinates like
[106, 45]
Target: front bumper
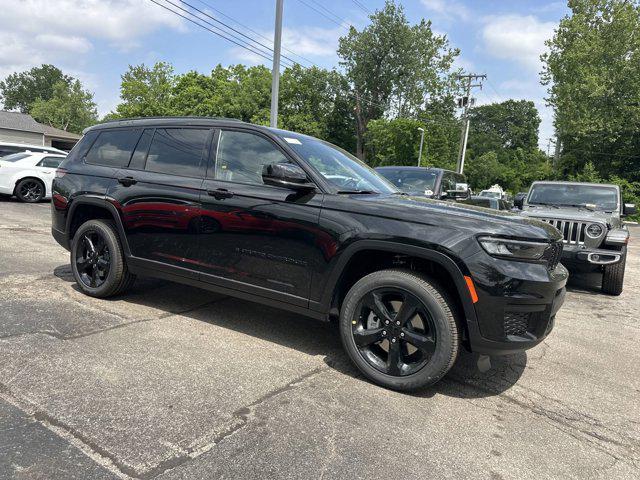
[592, 256]
[517, 303]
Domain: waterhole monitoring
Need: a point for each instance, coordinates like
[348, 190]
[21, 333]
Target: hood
[568, 213]
[455, 215]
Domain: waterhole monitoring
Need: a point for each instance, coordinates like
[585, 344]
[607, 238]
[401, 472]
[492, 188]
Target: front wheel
[613, 277]
[97, 260]
[399, 329]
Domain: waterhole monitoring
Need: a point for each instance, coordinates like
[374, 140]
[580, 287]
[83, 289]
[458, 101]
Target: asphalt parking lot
[171, 382]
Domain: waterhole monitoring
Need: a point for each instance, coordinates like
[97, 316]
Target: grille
[572, 231]
[553, 254]
[516, 323]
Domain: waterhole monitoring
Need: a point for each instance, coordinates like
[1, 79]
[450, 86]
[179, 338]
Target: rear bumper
[517, 304]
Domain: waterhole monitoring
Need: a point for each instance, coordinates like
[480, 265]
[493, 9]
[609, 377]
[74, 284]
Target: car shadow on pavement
[313, 337]
[585, 282]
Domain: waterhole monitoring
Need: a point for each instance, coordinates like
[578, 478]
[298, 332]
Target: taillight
[61, 172]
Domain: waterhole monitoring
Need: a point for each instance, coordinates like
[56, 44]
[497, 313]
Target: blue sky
[96, 40]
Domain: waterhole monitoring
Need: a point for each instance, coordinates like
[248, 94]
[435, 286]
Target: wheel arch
[342, 275]
[30, 176]
[86, 208]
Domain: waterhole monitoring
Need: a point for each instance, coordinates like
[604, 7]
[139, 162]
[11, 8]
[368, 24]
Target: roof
[159, 121]
[19, 121]
[407, 167]
[25, 123]
[568, 182]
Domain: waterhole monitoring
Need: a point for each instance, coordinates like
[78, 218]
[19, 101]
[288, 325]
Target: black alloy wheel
[394, 331]
[30, 190]
[93, 259]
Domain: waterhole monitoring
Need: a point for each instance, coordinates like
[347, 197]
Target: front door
[257, 237]
[159, 195]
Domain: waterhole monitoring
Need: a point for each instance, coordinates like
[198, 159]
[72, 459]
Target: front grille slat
[572, 231]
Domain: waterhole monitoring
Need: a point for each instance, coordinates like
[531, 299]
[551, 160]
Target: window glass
[113, 148]
[241, 156]
[420, 182]
[177, 151]
[8, 150]
[50, 162]
[601, 197]
[139, 156]
[15, 157]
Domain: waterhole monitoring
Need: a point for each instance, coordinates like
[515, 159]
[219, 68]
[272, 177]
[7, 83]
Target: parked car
[590, 218]
[429, 182]
[257, 213]
[9, 148]
[487, 202]
[28, 175]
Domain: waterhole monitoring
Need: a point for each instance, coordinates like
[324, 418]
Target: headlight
[516, 249]
[594, 230]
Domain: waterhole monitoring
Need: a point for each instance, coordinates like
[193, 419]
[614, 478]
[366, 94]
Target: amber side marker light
[472, 288]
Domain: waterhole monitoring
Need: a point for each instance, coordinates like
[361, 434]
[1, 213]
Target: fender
[439, 258]
[102, 202]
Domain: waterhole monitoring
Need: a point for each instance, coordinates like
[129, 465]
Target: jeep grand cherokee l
[294, 222]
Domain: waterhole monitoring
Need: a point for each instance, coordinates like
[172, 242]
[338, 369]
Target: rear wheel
[30, 190]
[613, 277]
[399, 329]
[97, 260]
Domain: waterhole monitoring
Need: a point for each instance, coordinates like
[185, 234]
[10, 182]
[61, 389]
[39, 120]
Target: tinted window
[421, 182]
[177, 151]
[140, 154]
[241, 156]
[15, 157]
[113, 148]
[50, 162]
[7, 150]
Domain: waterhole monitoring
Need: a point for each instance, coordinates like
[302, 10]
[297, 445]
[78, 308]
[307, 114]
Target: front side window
[113, 148]
[178, 151]
[242, 155]
[598, 197]
[50, 162]
[338, 167]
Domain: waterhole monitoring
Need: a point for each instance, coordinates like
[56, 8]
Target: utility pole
[421, 142]
[556, 153]
[275, 73]
[466, 102]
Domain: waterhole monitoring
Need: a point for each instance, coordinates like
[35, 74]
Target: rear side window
[50, 162]
[178, 151]
[8, 150]
[140, 154]
[113, 148]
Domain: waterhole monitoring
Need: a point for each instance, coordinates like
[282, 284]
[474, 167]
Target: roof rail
[172, 117]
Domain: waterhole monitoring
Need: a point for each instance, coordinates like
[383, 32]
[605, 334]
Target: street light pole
[275, 74]
[421, 142]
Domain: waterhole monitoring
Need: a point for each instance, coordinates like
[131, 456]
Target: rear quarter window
[113, 148]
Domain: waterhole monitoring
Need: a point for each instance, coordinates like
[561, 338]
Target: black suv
[294, 222]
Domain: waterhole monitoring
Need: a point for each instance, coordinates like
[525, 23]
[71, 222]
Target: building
[16, 127]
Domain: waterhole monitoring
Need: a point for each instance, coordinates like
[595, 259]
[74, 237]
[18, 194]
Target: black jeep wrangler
[294, 222]
[590, 218]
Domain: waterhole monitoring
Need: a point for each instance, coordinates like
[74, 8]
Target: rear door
[159, 196]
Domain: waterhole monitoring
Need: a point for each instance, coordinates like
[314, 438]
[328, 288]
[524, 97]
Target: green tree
[69, 108]
[146, 92]
[395, 68]
[19, 90]
[592, 71]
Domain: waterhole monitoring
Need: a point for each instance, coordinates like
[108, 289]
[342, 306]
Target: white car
[9, 148]
[28, 175]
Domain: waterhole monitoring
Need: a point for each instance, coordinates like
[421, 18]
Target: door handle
[220, 193]
[127, 181]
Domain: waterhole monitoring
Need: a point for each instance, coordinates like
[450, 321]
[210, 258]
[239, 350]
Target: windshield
[603, 197]
[490, 194]
[338, 167]
[15, 157]
[411, 181]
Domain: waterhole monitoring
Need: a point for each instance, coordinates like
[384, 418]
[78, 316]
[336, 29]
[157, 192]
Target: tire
[112, 276]
[30, 190]
[613, 277]
[439, 335]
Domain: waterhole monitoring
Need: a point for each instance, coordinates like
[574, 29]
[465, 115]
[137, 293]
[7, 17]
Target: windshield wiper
[357, 192]
[545, 204]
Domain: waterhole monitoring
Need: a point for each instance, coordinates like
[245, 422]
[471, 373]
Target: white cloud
[447, 9]
[517, 38]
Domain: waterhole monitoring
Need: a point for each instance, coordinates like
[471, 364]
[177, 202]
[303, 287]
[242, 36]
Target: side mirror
[286, 175]
[629, 209]
[518, 202]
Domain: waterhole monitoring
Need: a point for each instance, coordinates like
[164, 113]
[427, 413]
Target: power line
[315, 2]
[233, 29]
[361, 6]
[324, 14]
[202, 2]
[209, 29]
